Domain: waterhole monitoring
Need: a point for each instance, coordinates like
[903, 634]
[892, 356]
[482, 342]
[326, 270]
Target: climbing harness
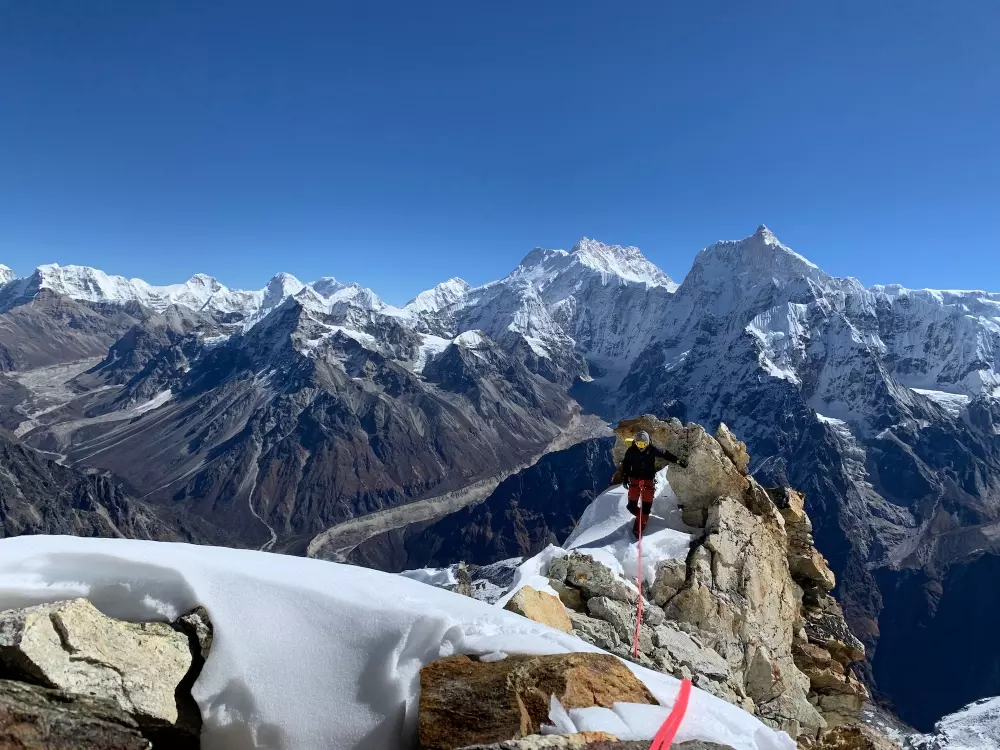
[668, 731]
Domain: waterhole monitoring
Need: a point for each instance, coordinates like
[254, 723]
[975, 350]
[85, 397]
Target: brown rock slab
[37, 718]
[541, 607]
[464, 702]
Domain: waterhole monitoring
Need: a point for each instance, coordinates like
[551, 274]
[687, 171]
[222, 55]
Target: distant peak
[626, 262]
[327, 286]
[284, 283]
[765, 234]
[762, 254]
[6, 274]
[441, 296]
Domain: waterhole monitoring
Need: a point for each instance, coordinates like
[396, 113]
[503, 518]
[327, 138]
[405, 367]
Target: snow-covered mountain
[288, 412]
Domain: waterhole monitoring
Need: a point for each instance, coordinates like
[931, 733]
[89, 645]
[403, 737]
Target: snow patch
[430, 348]
[154, 403]
[953, 403]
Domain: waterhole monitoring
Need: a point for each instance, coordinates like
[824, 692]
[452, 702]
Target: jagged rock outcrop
[140, 671]
[540, 606]
[756, 585]
[37, 718]
[748, 615]
[465, 702]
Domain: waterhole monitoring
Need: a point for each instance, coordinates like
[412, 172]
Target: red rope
[638, 614]
[668, 731]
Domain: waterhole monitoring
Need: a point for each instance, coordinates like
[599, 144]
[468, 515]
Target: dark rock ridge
[39, 496]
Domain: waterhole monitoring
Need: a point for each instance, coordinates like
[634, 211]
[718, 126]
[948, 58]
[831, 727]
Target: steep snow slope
[308, 654]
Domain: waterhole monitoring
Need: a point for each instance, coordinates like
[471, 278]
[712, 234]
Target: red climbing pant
[640, 489]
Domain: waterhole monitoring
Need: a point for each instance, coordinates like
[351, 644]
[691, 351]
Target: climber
[638, 472]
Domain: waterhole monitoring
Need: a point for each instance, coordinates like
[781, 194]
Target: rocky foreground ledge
[71, 677]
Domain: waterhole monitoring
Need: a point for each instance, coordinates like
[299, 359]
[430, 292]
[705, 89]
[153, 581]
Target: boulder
[595, 631]
[594, 579]
[558, 569]
[684, 650]
[547, 741]
[569, 596]
[197, 625]
[670, 576]
[621, 616]
[37, 718]
[541, 607]
[465, 702]
[71, 646]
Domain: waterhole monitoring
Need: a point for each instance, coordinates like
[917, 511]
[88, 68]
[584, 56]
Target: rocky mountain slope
[38, 496]
[305, 412]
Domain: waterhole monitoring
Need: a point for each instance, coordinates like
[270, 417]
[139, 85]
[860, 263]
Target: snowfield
[309, 654]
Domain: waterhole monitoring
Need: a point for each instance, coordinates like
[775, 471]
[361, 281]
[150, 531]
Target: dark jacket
[639, 464]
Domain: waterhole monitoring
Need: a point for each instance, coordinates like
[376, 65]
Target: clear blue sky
[400, 143]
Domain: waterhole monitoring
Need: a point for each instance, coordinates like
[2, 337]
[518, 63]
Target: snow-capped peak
[613, 263]
[753, 260]
[6, 274]
[327, 286]
[627, 263]
[444, 294]
[280, 286]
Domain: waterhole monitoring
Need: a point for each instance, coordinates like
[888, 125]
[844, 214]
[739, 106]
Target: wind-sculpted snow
[308, 654]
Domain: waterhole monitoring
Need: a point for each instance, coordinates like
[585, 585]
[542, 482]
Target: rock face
[464, 702]
[39, 496]
[73, 647]
[541, 607]
[112, 675]
[36, 718]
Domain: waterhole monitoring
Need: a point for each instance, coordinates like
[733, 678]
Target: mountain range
[317, 419]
